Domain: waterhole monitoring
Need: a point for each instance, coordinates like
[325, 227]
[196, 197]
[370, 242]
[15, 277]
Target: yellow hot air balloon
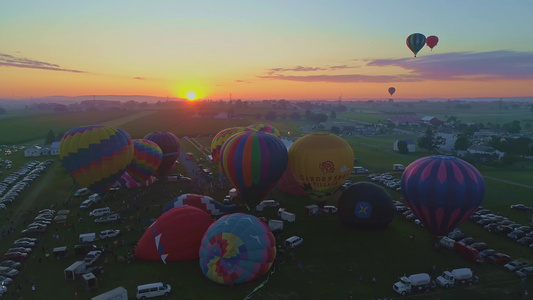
[321, 162]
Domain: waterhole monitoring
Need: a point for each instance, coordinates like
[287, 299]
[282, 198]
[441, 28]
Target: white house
[450, 140]
[54, 148]
[32, 151]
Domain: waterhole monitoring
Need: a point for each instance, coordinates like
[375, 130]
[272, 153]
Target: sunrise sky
[275, 49]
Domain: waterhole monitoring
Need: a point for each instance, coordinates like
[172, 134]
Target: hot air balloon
[170, 146]
[265, 128]
[366, 205]
[146, 159]
[321, 162]
[237, 248]
[176, 235]
[126, 181]
[96, 156]
[442, 191]
[289, 185]
[432, 41]
[205, 203]
[392, 90]
[219, 139]
[415, 42]
[253, 162]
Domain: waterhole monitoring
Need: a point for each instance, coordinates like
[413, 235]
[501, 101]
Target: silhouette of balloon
[170, 147]
[96, 156]
[442, 191]
[415, 42]
[392, 90]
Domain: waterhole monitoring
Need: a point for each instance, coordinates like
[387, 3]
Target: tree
[462, 143]
[59, 136]
[430, 142]
[321, 117]
[333, 114]
[402, 147]
[513, 127]
[50, 137]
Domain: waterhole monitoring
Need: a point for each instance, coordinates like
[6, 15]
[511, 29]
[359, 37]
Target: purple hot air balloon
[442, 191]
[170, 146]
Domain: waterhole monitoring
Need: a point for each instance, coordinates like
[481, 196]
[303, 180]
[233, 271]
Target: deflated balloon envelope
[366, 205]
[205, 203]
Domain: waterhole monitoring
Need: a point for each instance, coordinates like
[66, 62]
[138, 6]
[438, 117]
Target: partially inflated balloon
[146, 159]
[205, 203]
[170, 146]
[265, 128]
[415, 42]
[220, 138]
[432, 41]
[253, 162]
[237, 248]
[321, 162]
[96, 156]
[392, 90]
[175, 235]
[442, 191]
[126, 181]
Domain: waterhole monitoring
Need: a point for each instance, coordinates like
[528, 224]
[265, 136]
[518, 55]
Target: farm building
[36, 151]
[431, 120]
[410, 145]
[405, 121]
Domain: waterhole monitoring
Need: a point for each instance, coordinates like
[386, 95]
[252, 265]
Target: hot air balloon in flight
[321, 162]
[431, 41]
[442, 191]
[96, 156]
[253, 161]
[415, 42]
[147, 157]
[170, 146]
[219, 139]
[392, 90]
[265, 128]
[176, 235]
[237, 248]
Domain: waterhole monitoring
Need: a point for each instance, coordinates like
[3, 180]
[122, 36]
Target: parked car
[108, 218]
[514, 265]
[498, 258]
[24, 244]
[83, 249]
[92, 256]
[521, 207]
[456, 235]
[468, 240]
[8, 272]
[10, 263]
[479, 246]
[20, 249]
[16, 256]
[525, 272]
[5, 281]
[109, 233]
[32, 231]
[487, 252]
[525, 241]
[516, 234]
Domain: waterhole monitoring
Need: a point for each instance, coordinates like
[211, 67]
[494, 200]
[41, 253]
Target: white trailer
[119, 293]
[287, 216]
[275, 224]
[75, 269]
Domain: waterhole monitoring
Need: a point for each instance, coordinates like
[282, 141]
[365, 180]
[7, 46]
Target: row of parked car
[387, 180]
[497, 224]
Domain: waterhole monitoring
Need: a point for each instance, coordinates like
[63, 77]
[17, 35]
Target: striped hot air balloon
[147, 157]
[220, 138]
[442, 191]
[96, 156]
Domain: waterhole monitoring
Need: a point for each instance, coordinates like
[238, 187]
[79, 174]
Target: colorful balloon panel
[432, 41]
[265, 128]
[253, 162]
[205, 203]
[96, 156]
[321, 162]
[147, 157]
[442, 191]
[415, 42]
[237, 248]
[176, 235]
[366, 205]
[170, 147]
[219, 140]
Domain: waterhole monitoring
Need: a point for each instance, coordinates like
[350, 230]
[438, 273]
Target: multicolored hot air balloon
[392, 90]
[321, 162]
[96, 156]
[432, 41]
[220, 138]
[205, 203]
[442, 191]
[170, 146]
[415, 42]
[265, 128]
[147, 157]
[176, 235]
[289, 185]
[237, 248]
[253, 162]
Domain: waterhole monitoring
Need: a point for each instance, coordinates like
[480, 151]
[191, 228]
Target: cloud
[477, 66]
[139, 78]
[7, 60]
[242, 81]
[307, 69]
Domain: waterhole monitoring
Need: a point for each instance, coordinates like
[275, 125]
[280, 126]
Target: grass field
[329, 251]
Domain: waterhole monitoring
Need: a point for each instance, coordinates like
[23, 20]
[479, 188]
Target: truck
[286, 216]
[457, 277]
[414, 283]
[119, 293]
[75, 269]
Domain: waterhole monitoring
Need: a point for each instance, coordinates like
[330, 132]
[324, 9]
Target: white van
[87, 237]
[100, 212]
[329, 209]
[82, 192]
[269, 203]
[152, 290]
[293, 241]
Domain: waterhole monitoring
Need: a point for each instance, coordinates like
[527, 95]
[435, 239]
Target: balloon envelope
[253, 162]
[392, 90]
[175, 235]
[289, 185]
[205, 203]
[220, 138]
[366, 205]
[147, 157]
[431, 41]
[126, 181]
[442, 191]
[321, 162]
[415, 42]
[237, 248]
[170, 147]
[96, 156]
[265, 128]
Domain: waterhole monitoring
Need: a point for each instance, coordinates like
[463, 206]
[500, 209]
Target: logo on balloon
[363, 210]
[327, 167]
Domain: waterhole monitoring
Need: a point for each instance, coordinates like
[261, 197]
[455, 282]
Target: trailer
[119, 293]
[75, 269]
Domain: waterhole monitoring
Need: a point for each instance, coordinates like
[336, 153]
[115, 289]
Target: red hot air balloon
[170, 146]
[415, 42]
[392, 90]
[431, 41]
[442, 191]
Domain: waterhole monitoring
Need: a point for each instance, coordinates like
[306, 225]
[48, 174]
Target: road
[510, 182]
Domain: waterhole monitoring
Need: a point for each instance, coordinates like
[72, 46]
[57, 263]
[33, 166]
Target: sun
[191, 96]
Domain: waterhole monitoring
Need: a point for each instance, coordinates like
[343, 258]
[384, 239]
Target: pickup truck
[108, 218]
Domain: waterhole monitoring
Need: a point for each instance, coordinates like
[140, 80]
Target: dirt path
[510, 182]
